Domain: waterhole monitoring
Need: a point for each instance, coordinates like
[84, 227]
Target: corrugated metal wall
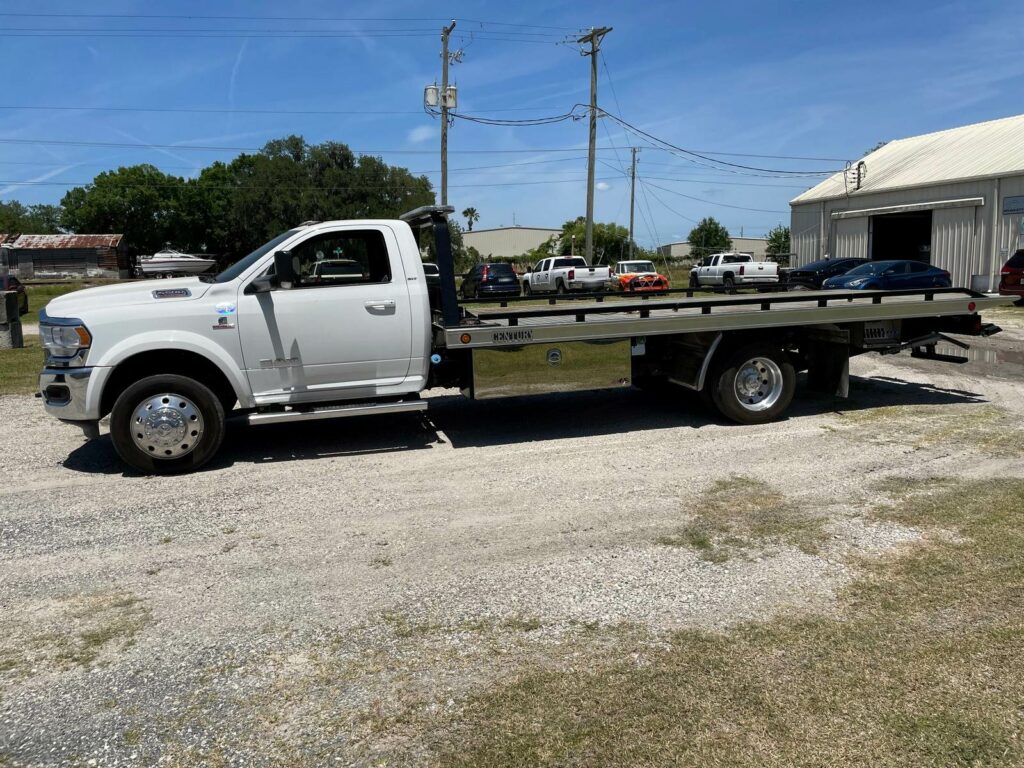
[805, 222]
[849, 238]
[962, 238]
[958, 236]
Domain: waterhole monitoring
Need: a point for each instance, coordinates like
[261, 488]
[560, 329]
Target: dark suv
[11, 283]
[490, 280]
[811, 276]
[1011, 276]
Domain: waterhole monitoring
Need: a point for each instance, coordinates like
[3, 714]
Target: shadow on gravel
[467, 423]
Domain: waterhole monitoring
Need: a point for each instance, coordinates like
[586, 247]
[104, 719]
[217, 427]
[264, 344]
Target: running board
[337, 412]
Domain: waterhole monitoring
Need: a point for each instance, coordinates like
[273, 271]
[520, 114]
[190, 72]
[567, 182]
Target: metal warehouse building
[954, 199]
[507, 241]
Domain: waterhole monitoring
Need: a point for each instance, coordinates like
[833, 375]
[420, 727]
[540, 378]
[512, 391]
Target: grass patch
[381, 562]
[19, 368]
[985, 428]
[740, 515]
[40, 294]
[84, 629]
[923, 666]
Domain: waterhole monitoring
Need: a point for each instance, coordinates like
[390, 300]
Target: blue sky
[807, 79]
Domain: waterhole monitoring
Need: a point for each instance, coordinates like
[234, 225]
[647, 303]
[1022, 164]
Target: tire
[798, 287]
[755, 384]
[694, 282]
[561, 287]
[729, 284]
[178, 404]
[527, 291]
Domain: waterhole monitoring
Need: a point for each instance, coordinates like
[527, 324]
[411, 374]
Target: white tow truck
[729, 270]
[276, 338]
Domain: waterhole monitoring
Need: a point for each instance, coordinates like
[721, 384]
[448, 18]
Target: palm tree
[471, 216]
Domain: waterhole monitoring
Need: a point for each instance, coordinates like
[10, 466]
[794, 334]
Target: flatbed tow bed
[490, 327]
[741, 353]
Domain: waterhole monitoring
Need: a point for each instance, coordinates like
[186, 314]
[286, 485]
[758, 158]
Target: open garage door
[905, 235]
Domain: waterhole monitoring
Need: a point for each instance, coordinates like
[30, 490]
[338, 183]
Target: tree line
[229, 208]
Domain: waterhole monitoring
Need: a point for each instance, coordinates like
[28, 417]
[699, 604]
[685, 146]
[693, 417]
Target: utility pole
[632, 197]
[594, 37]
[445, 32]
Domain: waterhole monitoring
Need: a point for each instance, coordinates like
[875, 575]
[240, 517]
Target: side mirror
[286, 268]
[262, 284]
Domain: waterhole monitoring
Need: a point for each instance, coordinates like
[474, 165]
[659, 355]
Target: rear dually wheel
[755, 385]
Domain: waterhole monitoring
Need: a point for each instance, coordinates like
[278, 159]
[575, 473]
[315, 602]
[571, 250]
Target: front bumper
[65, 393]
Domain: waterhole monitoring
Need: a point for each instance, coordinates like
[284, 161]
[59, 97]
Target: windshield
[243, 264]
[872, 268]
[638, 266]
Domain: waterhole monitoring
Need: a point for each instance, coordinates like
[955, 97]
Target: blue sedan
[891, 276]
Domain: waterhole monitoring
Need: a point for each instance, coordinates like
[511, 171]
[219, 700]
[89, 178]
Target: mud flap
[828, 368]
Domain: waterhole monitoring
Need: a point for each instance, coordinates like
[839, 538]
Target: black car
[811, 276]
[490, 280]
[11, 283]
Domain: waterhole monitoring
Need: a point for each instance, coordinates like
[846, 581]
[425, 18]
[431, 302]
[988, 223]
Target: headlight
[64, 340]
[858, 282]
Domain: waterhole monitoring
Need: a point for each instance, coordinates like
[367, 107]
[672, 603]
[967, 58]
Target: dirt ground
[296, 600]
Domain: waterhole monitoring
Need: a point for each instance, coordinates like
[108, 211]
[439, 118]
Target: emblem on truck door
[279, 362]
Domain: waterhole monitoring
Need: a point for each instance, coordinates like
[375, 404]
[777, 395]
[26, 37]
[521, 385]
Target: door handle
[380, 305]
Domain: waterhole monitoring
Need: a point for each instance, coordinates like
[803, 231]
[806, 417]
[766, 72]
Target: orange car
[637, 276]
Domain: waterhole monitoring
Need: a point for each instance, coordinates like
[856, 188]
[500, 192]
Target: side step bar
[337, 412]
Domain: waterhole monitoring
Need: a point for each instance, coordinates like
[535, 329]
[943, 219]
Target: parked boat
[171, 262]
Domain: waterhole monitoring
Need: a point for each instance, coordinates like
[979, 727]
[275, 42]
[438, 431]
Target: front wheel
[755, 385]
[694, 282]
[167, 424]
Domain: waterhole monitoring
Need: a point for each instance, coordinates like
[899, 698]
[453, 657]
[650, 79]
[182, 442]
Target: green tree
[138, 201]
[708, 237]
[611, 242]
[471, 216]
[16, 218]
[778, 241]
[231, 208]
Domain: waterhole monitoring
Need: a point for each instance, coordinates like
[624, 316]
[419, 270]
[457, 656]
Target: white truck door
[346, 325]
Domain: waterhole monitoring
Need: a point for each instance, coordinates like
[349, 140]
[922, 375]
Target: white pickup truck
[279, 337]
[730, 270]
[561, 274]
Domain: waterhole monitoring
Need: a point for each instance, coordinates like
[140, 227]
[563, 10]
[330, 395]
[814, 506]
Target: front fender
[187, 341]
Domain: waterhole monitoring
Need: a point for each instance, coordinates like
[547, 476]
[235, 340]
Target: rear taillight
[572, 274]
[486, 272]
[741, 269]
[945, 273]
[1006, 271]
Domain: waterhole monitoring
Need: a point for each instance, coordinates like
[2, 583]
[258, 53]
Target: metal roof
[994, 148]
[53, 242]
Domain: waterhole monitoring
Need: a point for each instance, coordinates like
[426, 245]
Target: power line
[201, 185]
[712, 202]
[205, 148]
[278, 18]
[210, 110]
[707, 158]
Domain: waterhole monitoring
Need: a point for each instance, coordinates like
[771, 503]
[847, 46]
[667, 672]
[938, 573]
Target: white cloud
[421, 133]
[603, 186]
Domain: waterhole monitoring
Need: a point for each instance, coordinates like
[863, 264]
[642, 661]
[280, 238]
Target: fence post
[10, 322]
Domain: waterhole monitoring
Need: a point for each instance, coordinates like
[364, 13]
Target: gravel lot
[288, 603]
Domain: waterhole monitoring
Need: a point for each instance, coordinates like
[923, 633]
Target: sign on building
[1013, 205]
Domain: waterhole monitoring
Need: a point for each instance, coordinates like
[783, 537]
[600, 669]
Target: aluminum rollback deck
[648, 317]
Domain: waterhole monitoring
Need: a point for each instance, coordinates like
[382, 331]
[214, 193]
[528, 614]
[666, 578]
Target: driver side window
[343, 258]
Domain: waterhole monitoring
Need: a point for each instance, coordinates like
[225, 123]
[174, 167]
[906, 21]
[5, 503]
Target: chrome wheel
[166, 426]
[758, 384]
